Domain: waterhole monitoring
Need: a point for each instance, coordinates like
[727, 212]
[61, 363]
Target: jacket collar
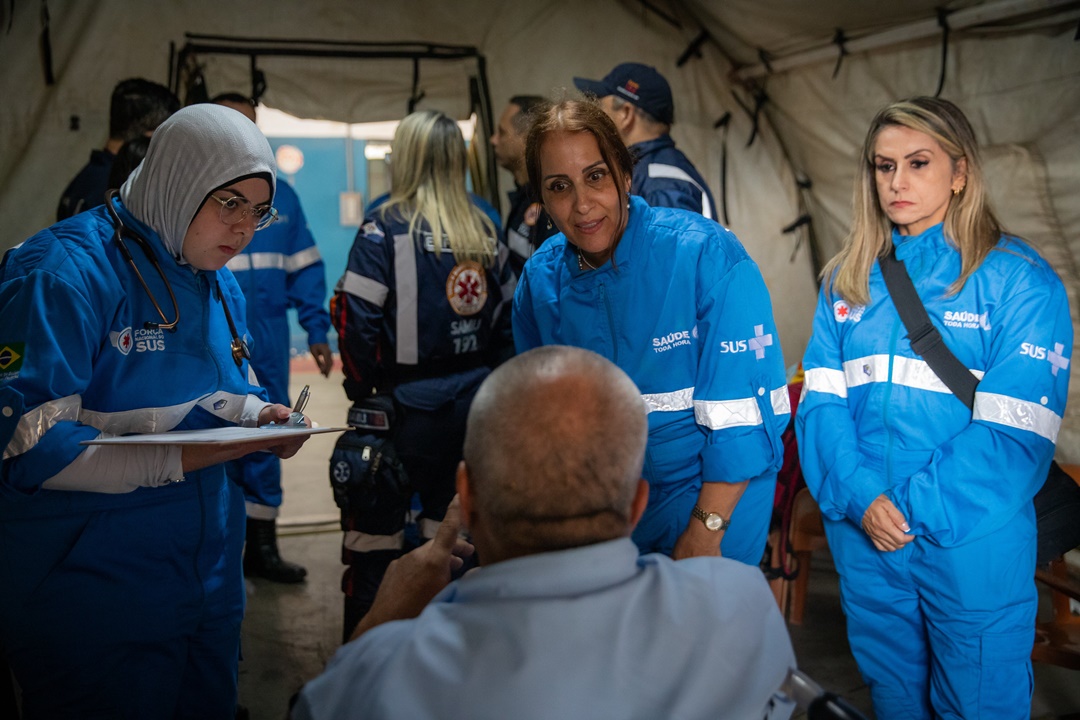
[578, 570]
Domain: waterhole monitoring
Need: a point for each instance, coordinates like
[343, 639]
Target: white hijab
[196, 151]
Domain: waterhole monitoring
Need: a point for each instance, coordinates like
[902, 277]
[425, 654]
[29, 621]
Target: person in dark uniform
[638, 99]
[136, 109]
[527, 225]
[279, 270]
[422, 314]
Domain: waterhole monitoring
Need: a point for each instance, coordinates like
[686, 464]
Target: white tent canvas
[1012, 65]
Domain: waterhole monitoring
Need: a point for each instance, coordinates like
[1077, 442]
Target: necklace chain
[582, 263]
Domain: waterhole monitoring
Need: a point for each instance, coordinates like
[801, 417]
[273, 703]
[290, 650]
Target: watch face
[714, 522]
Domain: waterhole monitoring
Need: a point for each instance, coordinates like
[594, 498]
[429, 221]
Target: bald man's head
[554, 448]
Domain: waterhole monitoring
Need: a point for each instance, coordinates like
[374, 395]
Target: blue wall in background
[318, 183]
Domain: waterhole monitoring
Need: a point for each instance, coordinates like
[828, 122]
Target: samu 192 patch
[466, 288]
[11, 359]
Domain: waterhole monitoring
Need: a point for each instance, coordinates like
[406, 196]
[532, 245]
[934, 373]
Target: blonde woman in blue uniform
[927, 504]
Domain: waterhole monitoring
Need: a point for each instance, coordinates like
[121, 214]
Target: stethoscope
[239, 347]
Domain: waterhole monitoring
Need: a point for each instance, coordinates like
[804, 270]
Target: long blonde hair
[970, 223]
[427, 183]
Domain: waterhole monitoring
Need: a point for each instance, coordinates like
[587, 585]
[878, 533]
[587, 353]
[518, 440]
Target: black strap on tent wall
[841, 42]
[258, 81]
[46, 45]
[760, 98]
[724, 122]
[693, 49]
[943, 22]
[182, 63]
[417, 94]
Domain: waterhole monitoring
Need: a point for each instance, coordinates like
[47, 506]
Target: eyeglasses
[236, 209]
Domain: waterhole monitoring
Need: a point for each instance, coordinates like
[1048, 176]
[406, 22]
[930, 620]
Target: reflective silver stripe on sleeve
[429, 528]
[916, 373]
[669, 401]
[1015, 413]
[302, 259]
[659, 170]
[239, 263]
[781, 401]
[363, 542]
[866, 370]
[743, 412]
[408, 334]
[257, 261]
[256, 511]
[34, 424]
[519, 243]
[364, 288]
[824, 380]
[908, 372]
[229, 407]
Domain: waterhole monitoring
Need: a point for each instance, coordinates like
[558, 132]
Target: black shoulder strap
[925, 339]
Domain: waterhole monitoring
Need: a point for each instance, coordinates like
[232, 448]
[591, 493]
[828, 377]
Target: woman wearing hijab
[123, 593]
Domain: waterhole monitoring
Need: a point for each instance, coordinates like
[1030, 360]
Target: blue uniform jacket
[404, 312]
[685, 313]
[875, 418]
[280, 269]
[666, 178]
[522, 237]
[87, 189]
[73, 310]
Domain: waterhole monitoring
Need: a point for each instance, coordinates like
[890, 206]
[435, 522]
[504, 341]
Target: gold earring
[957, 191]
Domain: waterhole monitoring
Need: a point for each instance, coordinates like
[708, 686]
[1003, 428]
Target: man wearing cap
[638, 99]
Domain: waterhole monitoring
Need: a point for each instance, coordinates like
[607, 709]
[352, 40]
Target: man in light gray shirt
[563, 618]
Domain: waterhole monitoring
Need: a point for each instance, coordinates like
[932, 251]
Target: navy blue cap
[635, 83]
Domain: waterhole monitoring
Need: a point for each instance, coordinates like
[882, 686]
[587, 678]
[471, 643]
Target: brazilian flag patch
[11, 357]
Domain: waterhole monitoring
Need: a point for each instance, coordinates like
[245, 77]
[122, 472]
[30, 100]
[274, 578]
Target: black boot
[261, 557]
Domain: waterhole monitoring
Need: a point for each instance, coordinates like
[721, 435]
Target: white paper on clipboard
[213, 436]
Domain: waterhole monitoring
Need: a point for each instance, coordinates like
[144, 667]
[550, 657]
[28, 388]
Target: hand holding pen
[279, 416]
[297, 415]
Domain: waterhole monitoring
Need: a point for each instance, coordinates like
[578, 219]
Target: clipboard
[214, 436]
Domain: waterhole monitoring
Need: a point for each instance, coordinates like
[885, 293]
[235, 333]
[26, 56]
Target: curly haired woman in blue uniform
[674, 300]
[120, 565]
[927, 504]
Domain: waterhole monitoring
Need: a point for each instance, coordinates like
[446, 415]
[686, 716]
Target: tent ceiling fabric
[1019, 84]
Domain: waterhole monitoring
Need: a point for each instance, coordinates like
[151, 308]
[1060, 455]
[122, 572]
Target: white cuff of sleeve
[253, 406]
[120, 469]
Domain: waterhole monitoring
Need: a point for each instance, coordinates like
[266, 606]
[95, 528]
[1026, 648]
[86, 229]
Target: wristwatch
[712, 521]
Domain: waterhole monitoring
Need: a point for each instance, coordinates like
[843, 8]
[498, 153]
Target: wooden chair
[1057, 641]
[807, 535]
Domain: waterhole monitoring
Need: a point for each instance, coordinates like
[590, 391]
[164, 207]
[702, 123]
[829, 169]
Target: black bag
[1057, 504]
[370, 484]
